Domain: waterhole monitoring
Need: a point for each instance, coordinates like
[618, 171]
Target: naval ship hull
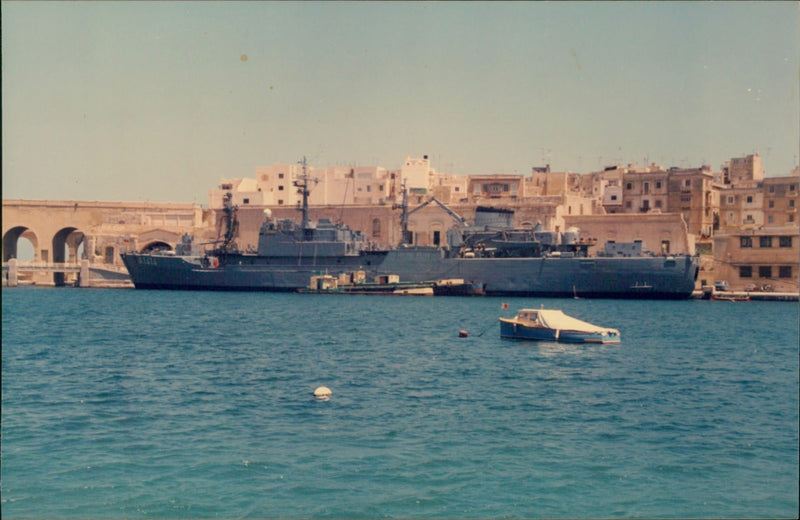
[645, 277]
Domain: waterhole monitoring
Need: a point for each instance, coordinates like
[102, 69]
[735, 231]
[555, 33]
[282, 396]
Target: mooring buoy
[322, 391]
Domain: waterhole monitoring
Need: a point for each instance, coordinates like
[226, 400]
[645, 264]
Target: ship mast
[406, 239]
[231, 222]
[302, 184]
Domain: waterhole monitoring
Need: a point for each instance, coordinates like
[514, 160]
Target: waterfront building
[691, 192]
[759, 258]
[741, 207]
[780, 195]
[645, 190]
[660, 233]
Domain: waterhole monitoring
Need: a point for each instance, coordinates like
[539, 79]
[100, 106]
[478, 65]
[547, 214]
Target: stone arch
[66, 243]
[11, 239]
[157, 245]
[157, 240]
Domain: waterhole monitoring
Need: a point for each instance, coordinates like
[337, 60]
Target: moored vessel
[554, 325]
[487, 258]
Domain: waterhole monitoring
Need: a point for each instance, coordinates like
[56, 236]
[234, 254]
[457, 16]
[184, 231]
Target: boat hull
[600, 277]
[509, 329]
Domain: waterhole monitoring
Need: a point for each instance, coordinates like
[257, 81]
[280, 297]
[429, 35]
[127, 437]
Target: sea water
[160, 404]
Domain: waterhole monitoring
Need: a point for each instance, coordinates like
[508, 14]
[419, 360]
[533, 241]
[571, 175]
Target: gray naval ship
[491, 254]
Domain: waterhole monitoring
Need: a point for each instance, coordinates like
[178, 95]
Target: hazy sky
[159, 101]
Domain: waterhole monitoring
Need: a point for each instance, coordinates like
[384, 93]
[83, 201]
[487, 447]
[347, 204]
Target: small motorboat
[554, 325]
[731, 297]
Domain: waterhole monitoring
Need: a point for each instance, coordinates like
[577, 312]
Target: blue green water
[157, 404]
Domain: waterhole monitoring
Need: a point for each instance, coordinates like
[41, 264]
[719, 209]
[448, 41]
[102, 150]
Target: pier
[752, 296]
[80, 275]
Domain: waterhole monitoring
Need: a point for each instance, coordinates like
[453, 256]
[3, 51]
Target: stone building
[482, 189]
[741, 207]
[780, 195]
[645, 191]
[742, 170]
[692, 193]
[758, 259]
[660, 233]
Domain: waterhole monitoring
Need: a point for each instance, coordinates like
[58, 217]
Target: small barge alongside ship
[491, 255]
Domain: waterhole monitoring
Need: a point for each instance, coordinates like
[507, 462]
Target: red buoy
[462, 333]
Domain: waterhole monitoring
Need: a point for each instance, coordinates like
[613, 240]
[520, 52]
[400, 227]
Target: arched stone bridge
[65, 232]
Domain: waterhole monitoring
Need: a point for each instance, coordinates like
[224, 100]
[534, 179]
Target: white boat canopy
[555, 319]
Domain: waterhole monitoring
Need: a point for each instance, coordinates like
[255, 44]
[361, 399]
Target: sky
[152, 101]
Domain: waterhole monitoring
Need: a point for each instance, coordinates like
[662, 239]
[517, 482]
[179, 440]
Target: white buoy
[322, 392]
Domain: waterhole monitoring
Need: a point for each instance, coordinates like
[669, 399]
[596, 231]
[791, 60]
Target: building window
[765, 271]
[280, 188]
[730, 200]
[647, 187]
[226, 186]
[613, 197]
[791, 203]
[785, 241]
[658, 203]
[376, 227]
[658, 185]
[246, 201]
[280, 202]
[687, 183]
[770, 219]
[280, 176]
[764, 241]
[772, 189]
[628, 204]
[745, 241]
[629, 186]
[785, 271]
[791, 187]
[749, 199]
[745, 271]
[772, 204]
